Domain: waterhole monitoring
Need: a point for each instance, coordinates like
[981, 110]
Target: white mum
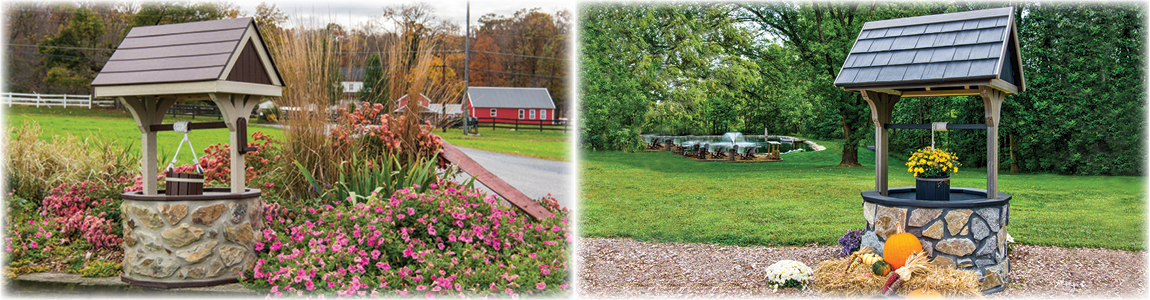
[783, 271]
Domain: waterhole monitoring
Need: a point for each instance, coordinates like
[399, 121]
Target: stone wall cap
[874, 197]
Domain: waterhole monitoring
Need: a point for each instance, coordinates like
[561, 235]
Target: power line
[340, 52]
[59, 47]
[455, 67]
[519, 55]
[99, 59]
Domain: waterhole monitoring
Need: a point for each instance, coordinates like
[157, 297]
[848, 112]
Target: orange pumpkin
[924, 293]
[898, 247]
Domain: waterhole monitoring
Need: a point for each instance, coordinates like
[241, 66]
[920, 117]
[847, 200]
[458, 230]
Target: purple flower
[850, 241]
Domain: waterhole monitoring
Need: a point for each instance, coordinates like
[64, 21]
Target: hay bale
[829, 281]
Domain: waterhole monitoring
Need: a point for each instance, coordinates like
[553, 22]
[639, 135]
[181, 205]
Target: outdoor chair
[718, 154]
[654, 145]
[702, 154]
[749, 154]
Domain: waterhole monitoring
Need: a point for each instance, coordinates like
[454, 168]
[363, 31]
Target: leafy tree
[1083, 110]
[69, 55]
[375, 84]
[612, 103]
[158, 13]
[822, 34]
[487, 63]
[269, 17]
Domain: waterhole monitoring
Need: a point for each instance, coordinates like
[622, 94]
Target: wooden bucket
[184, 184]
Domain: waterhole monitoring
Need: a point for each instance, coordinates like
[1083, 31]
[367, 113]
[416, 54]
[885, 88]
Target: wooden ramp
[501, 188]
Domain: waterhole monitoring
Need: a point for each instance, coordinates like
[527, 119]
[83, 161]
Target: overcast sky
[353, 13]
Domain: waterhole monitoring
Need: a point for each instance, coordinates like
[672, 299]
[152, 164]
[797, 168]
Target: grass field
[658, 196]
[550, 145]
[119, 127]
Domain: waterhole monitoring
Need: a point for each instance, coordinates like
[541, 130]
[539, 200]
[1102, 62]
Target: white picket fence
[64, 100]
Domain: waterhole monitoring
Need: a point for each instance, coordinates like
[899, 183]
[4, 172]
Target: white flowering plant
[789, 274]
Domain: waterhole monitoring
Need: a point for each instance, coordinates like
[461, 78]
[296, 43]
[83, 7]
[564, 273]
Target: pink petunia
[541, 285]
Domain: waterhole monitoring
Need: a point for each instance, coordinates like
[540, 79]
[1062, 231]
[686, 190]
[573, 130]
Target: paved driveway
[532, 176]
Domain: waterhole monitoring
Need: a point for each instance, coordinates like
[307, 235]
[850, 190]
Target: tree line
[59, 47]
[709, 68]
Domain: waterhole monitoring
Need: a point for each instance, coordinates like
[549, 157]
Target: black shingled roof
[942, 48]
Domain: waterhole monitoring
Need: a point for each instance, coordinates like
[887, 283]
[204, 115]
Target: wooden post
[147, 111]
[881, 106]
[233, 107]
[992, 103]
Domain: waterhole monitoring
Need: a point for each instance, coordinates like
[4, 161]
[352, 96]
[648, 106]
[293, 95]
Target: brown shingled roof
[185, 52]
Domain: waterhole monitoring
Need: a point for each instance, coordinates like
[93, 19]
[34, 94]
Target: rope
[182, 126]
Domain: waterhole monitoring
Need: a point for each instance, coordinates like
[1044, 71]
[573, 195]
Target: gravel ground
[625, 268]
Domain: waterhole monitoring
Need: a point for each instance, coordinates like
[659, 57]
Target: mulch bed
[610, 268]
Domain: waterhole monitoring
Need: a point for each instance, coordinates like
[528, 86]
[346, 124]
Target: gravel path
[625, 268]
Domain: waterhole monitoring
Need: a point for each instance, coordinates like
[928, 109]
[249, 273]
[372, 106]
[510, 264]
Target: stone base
[970, 232]
[186, 241]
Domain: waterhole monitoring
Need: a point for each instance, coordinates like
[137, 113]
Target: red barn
[423, 101]
[508, 104]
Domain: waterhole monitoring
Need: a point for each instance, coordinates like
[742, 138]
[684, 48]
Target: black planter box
[932, 188]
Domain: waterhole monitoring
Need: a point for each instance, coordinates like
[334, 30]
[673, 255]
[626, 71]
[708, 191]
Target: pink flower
[375, 254]
[34, 244]
[508, 291]
[420, 287]
[541, 285]
[531, 255]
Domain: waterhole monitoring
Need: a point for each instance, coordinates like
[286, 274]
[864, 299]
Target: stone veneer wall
[190, 241]
[968, 238]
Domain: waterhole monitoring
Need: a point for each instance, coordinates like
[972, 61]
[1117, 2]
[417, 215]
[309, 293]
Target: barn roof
[951, 51]
[510, 97]
[218, 56]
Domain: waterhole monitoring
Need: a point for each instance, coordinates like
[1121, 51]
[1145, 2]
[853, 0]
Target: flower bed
[447, 241]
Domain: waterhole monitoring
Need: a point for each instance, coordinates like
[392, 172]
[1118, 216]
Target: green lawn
[662, 197]
[118, 126]
[551, 145]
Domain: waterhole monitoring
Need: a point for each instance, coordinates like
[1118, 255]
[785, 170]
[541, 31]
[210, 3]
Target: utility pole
[466, 69]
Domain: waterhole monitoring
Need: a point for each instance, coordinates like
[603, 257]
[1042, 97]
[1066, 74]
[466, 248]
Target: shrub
[370, 130]
[101, 268]
[448, 241]
[73, 208]
[263, 164]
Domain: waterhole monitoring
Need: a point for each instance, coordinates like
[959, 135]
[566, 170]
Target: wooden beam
[500, 187]
[939, 93]
[933, 84]
[202, 125]
[927, 126]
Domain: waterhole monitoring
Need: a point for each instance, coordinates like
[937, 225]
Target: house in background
[430, 111]
[511, 104]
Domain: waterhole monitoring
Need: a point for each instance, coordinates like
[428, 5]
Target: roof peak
[941, 18]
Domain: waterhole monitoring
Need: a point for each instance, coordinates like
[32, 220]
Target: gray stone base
[974, 238]
[186, 241]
